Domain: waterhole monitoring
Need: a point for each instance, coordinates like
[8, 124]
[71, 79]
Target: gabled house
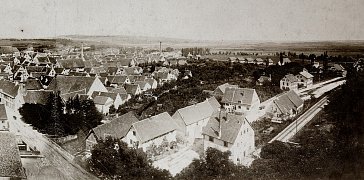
[241, 100]
[103, 103]
[305, 78]
[117, 81]
[112, 71]
[259, 61]
[263, 79]
[11, 94]
[144, 86]
[152, 82]
[285, 106]
[114, 96]
[220, 90]
[289, 82]
[229, 132]
[69, 86]
[74, 64]
[133, 89]
[191, 119]
[151, 131]
[249, 60]
[116, 128]
[339, 69]
[284, 61]
[4, 123]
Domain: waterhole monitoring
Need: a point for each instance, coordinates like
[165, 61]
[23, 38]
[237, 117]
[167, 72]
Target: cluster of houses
[28, 76]
[292, 82]
[249, 60]
[223, 126]
[207, 122]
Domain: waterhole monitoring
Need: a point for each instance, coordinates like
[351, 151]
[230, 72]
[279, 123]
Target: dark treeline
[59, 119]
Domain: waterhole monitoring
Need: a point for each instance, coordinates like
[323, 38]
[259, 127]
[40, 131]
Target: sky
[260, 20]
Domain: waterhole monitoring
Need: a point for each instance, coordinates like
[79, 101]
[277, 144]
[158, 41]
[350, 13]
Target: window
[131, 141]
[211, 139]
[225, 144]
[134, 133]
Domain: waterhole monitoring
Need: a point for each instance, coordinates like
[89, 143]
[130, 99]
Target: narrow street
[55, 158]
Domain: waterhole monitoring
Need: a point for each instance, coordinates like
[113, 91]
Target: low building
[289, 82]
[11, 94]
[191, 119]
[133, 89]
[220, 90]
[285, 106]
[116, 128]
[262, 80]
[241, 100]
[151, 131]
[305, 78]
[103, 103]
[229, 132]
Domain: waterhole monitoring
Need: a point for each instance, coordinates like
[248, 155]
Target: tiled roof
[106, 94]
[35, 69]
[37, 96]
[288, 101]
[291, 78]
[68, 84]
[116, 128]
[101, 99]
[230, 125]
[154, 126]
[195, 113]
[133, 78]
[306, 74]
[117, 79]
[131, 88]
[10, 162]
[224, 86]
[9, 88]
[72, 63]
[238, 95]
[33, 84]
[150, 81]
[120, 90]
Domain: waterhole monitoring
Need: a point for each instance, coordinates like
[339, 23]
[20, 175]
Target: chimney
[160, 47]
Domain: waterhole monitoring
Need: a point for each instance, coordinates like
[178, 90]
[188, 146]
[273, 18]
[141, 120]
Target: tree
[112, 109]
[115, 160]
[312, 57]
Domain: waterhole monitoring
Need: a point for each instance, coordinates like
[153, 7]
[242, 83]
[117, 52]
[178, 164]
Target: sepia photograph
[181, 89]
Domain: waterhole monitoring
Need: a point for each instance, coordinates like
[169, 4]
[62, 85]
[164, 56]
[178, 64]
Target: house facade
[285, 106]
[305, 78]
[229, 132]
[192, 119]
[151, 131]
[289, 82]
[241, 100]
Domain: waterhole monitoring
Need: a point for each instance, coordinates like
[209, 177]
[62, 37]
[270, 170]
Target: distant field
[351, 48]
